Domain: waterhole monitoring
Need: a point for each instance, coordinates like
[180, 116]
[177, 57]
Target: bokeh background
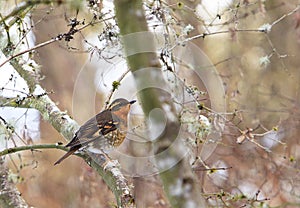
[260, 75]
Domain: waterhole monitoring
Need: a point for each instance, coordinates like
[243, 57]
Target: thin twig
[203, 35]
[114, 89]
[57, 38]
[32, 147]
[286, 15]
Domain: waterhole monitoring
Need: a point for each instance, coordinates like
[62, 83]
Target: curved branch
[67, 127]
[108, 169]
[64, 124]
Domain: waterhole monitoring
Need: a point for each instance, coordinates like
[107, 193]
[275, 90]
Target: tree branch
[10, 197]
[145, 66]
[61, 121]
[32, 147]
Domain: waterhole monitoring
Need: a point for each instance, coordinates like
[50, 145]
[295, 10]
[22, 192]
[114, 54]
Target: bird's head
[120, 109]
[121, 105]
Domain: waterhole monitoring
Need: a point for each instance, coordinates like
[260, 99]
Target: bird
[106, 130]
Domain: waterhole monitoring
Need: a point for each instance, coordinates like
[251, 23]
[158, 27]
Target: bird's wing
[93, 129]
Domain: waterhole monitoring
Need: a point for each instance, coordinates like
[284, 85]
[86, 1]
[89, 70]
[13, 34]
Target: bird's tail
[71, 151]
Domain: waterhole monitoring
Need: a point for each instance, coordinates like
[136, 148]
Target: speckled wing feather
[92, 130]
[105, 130]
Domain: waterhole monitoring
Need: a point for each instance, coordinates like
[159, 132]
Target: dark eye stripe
[113, 105]
[119, 103]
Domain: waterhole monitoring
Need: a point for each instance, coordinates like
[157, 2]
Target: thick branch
[144, 64]
[61, 121]
[10, 197]
[67, 126]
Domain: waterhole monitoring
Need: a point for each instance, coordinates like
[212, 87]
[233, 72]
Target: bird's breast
[115, 138]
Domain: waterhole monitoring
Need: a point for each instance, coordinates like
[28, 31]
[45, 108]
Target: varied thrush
[105, 131]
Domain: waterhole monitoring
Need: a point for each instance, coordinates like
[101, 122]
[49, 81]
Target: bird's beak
[131, 102]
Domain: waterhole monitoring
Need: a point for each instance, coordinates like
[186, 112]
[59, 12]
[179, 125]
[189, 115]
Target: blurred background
[253, 45]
